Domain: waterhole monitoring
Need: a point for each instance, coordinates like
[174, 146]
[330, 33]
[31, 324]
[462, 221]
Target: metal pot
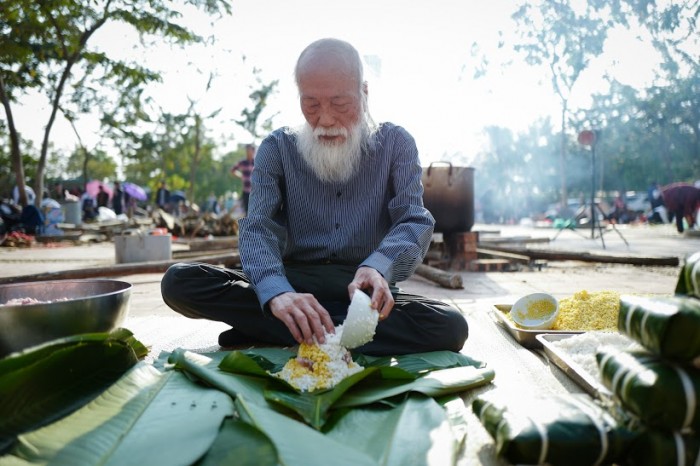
[68, 307]
[449, 196]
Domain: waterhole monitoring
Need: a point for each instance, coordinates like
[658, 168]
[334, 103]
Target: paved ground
[163, 330]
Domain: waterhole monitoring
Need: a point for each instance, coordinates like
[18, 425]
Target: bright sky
[418, 66]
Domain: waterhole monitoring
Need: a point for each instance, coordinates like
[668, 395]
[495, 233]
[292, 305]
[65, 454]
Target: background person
[335, 206]
[243, 170]
[118, 198]
[162, 196]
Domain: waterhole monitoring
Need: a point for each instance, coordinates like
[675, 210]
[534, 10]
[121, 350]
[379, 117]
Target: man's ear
[365, 88]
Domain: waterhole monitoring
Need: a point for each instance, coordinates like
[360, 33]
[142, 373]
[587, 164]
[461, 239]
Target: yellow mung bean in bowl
[536, 311]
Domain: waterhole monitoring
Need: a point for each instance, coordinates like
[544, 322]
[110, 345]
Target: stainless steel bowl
[74, 307]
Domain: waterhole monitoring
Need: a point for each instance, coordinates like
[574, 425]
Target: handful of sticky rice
[319, 366]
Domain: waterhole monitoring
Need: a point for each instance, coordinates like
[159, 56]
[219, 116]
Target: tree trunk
[15, 154]
[562, 156]
[196, 156]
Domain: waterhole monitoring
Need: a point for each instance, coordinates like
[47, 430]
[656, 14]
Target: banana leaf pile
[656, 447]
[557, 430]
[667, 326]
[659, 387]
[226, 408]
[689, 278]
[661, 393]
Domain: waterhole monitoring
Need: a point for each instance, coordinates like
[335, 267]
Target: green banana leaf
[383, 378]
[416, 432]
[240, 444]
[662, 447]
[566, 430]
[456, 412]
[44, 383]
[257, 361]
[296, 443]
[418, 363]
[435, 384]
[667, 326]
[148, 417]
[689, 277]
[313, 407]
[202, 367]
[660, 393]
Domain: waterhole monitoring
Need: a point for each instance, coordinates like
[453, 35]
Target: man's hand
[303, 315]
[367, 278]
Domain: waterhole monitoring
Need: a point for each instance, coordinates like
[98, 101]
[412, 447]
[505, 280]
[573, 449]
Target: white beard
[332, 162]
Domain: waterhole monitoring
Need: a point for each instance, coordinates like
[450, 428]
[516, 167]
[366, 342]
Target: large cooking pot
[449, 196]
[65, 307]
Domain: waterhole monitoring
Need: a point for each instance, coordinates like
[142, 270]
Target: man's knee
[174, 289]
[456, 330]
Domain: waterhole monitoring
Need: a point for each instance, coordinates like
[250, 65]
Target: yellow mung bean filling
[585, 310]
[539, 308]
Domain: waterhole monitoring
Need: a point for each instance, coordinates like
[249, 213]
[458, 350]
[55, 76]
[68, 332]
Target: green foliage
[251, 116]
[100, 166]
[44, 45]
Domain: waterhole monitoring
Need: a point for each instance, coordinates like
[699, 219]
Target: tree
[251, 116]
[44, 47]
[554, 34]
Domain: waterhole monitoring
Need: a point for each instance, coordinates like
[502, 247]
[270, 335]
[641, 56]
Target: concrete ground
[163, 330]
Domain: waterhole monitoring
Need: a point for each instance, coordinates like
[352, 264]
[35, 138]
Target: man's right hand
[303, 315]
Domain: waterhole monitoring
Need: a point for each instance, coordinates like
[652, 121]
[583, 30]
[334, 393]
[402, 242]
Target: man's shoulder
[388, 129]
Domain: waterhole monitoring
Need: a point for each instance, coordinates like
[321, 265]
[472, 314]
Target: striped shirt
[245, 167]
[374, 219]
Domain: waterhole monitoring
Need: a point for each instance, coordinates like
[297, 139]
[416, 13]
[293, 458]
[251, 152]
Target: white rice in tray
[319, 366]
[581, 348]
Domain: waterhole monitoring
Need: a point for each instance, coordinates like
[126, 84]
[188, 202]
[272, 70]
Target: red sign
[586, 138]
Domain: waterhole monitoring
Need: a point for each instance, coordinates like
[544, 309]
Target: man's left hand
[374, 284]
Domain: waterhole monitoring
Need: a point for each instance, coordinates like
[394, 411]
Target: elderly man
[336, 206]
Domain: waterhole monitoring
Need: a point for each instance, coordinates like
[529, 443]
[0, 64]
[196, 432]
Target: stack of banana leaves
[92, 399]
[653, 415]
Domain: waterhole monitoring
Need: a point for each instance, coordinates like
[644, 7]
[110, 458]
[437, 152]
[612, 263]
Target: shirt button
[337, 225]
[339, 194]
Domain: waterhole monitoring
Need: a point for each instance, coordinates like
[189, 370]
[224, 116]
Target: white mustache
[319, 132]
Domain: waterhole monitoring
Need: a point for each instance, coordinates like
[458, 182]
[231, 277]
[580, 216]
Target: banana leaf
[296, 443]
[661, 447]
[415, 432]
[147, 417]
[313, 407]
[240, 444]
[689, 277]
[658, 392]
[418, 363]
[46, 382]
[667, 326]
[566, 430]
[435, 384]
[394, 375]
[202, 368]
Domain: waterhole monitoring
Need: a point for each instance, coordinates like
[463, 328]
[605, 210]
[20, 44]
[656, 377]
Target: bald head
[333, 54]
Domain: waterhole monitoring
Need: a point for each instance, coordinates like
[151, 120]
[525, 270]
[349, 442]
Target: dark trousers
[416, 324]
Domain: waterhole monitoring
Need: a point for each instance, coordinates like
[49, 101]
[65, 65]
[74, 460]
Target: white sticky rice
[581, 348]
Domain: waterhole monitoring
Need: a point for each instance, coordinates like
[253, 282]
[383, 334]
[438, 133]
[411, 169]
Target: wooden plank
[504, 255]
[226, 242]
[512, 239]
[228, 260]
[549, 254]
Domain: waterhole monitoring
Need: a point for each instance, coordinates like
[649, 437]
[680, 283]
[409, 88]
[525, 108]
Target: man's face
[330, 102]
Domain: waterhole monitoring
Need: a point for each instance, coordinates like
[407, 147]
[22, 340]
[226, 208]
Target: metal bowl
[69, 307]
